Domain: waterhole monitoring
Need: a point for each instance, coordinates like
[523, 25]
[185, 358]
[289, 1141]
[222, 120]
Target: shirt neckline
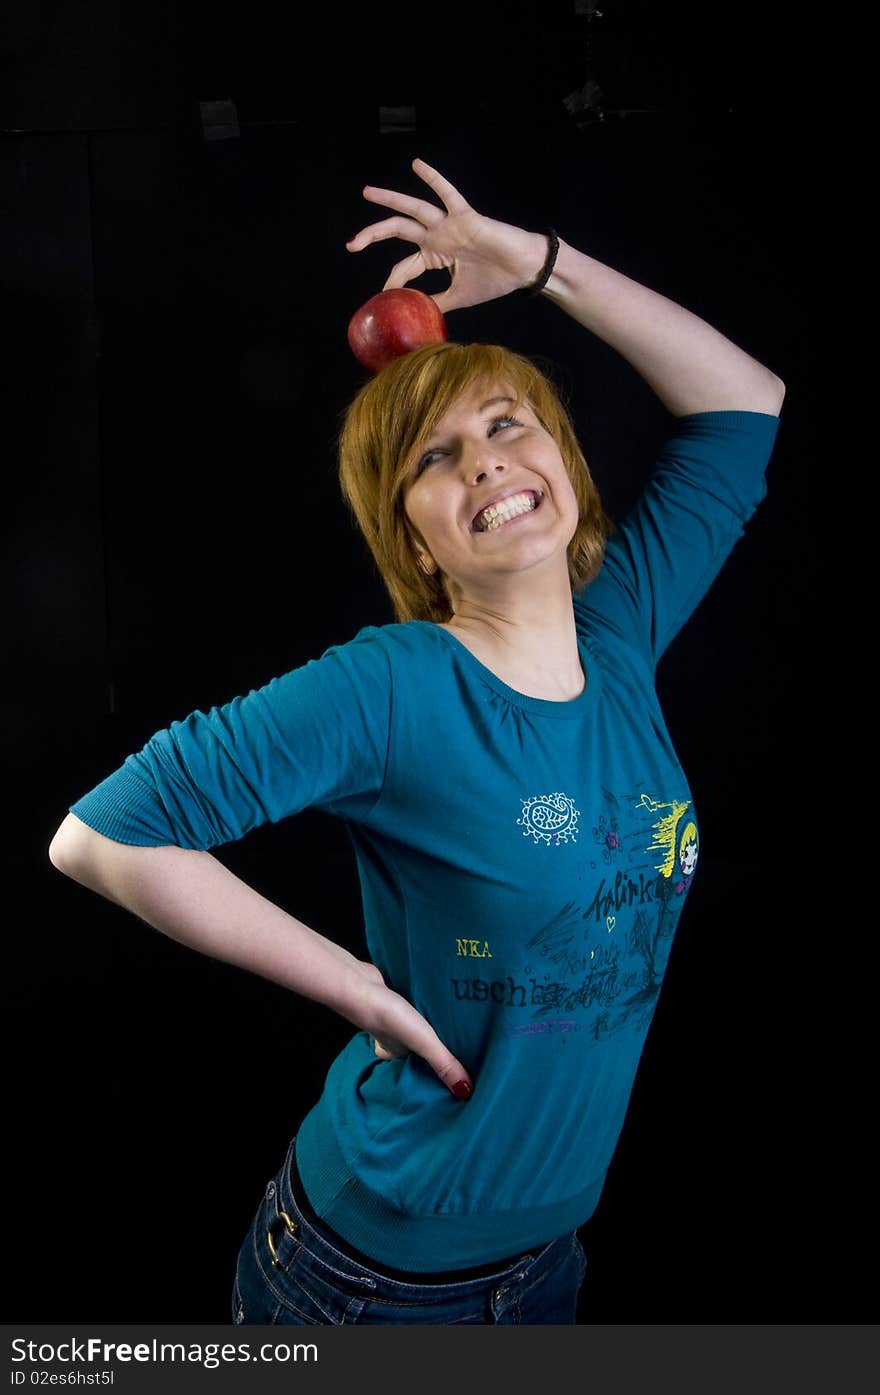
[546, 707]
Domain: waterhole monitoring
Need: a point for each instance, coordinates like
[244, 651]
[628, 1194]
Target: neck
[533, 635]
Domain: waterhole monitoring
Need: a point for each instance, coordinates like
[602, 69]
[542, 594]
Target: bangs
[430, 388]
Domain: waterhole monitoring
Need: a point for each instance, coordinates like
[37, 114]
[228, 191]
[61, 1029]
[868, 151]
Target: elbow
[56, 852]
[70, 836]
[770, 395]
[76, 846]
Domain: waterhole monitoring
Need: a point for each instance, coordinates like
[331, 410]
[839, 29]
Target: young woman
[524, 833]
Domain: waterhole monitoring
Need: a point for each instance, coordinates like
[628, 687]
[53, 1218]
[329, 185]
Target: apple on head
[394, 323]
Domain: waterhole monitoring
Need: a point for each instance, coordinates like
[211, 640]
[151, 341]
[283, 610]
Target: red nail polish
[462, 1090]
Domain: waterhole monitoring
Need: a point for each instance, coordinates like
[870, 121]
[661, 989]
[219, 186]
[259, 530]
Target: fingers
[455, 1078]
[445, 301]
[447, 1068]
[421, 214]
[404, 272]
[446, 191]
[406, 228]
[427, 213]
[399, 1029]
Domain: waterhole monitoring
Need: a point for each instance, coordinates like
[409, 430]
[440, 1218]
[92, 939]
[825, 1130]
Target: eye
[510, 421]
[426, 459]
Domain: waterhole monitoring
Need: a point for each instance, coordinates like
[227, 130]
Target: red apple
[394, 323]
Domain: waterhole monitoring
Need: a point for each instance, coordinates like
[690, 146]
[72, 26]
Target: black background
[175, 294]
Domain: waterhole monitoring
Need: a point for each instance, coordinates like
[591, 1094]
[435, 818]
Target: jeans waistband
[446, 1276]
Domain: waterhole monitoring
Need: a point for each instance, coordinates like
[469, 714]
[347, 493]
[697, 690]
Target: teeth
[505, 517]
[496, 514]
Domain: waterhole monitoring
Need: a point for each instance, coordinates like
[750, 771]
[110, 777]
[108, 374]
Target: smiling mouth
[499, 521]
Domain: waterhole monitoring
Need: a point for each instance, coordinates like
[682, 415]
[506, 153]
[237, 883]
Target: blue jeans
[296, 1276]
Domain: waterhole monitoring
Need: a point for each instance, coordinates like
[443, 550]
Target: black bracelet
[535, 287]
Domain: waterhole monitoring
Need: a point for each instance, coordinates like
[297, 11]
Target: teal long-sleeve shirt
[523, 865]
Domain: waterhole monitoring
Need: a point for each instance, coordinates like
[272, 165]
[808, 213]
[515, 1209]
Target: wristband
[535, 287]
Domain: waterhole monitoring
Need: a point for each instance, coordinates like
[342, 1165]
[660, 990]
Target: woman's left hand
[389, 1048]
[485, 258]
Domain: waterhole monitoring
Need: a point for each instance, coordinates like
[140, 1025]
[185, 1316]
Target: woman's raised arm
[689, 365]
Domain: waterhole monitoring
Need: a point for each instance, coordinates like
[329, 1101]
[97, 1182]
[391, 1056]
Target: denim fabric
[310, 1281]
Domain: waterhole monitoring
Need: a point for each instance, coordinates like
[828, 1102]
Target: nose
[482, 461]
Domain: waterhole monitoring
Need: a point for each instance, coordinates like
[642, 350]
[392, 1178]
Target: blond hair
[389, 421]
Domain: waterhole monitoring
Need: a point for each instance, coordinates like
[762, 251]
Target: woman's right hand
[484, 257]
[397, 1029]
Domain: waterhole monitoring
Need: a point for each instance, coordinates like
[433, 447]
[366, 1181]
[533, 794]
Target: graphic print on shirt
[598, 963]
[549, 818]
